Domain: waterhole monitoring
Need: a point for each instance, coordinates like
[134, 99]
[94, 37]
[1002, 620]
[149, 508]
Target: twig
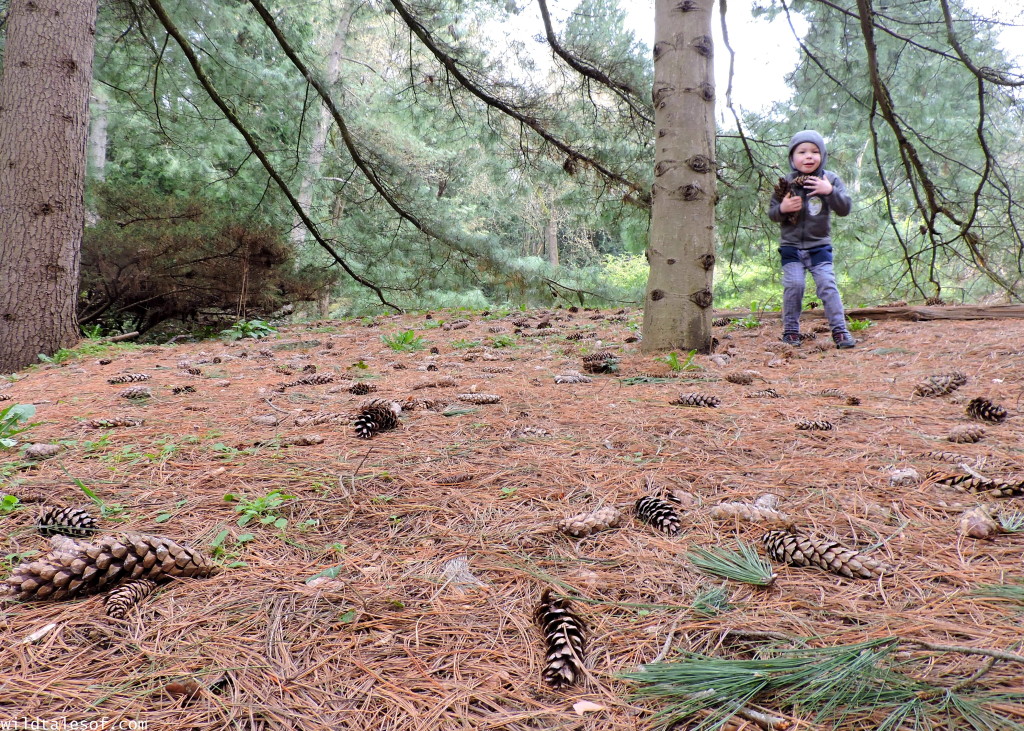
[964, 649]
[978, 674]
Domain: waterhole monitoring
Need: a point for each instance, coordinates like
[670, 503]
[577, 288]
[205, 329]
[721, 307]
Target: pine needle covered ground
[391, 582]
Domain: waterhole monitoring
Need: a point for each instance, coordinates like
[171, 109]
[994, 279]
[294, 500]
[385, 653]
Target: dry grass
[393, 638]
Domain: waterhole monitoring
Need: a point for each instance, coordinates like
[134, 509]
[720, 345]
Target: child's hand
[818, 186]
[791, 203]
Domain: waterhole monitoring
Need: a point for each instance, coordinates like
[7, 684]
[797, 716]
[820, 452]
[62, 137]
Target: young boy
[805, 242]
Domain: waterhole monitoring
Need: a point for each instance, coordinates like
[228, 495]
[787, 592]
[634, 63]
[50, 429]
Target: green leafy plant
[107, 510]
[673, 361]
[463, 344]
[262, 509]
[502, 341]
[1012, 522]
[222, 550]
[8, 504]
[746, 565]
[11, 420]
[403, 341]
[857, 325]
[248, 329]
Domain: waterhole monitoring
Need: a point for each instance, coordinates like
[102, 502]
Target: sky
[767, 51]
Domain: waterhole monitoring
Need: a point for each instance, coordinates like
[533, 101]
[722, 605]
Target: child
[805, 242]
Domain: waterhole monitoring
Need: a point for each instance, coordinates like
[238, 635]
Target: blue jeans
[795, 265]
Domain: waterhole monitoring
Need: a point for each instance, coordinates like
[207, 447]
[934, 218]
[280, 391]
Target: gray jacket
[813, 227]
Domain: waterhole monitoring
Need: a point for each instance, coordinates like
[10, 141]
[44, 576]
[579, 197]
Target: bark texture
[677, 308]
[44, 98]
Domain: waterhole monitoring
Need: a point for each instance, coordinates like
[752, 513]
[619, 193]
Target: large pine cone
[583, 525]
[984, 410]
[940, 385]
[563, 639]
[982, 485]
[697, 399]
[377, 417]
[74, 568]
[129, 378]
[797, 549]
[602, 362]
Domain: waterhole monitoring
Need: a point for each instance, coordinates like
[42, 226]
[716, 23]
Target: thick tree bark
[677, 309]
[44, 103]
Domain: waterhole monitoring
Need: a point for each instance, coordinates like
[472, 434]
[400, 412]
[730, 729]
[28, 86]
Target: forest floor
[391, 583]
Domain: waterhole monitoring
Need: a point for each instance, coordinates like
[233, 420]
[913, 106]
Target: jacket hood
[809, 135]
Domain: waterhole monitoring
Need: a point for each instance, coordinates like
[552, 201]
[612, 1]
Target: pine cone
[815, 425]
[978, 522]
[191, 370]
[136, 392]
[41, 451]
[984, 410]
[74, 568]
[833, 393]
[982, 485]
[380, 415]
[361, 389]
[966, 434]
[934, 301]
[742, 378]
[4, 397]
[122, 598]
[784, 187]
[852, 401]
[603, 362]
[176, 390]
[315, 379]
[659, 513]
[697, 399]
[583, 525]
[73, 522]
[765, 393]
[564, 640]
[129, 378]
[720, 322]
[573, 377]
[109, 423]
[940, 385]
[797, 549]
[479, 398]
[746, 512]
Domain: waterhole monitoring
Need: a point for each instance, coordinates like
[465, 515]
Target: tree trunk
[44, 117]
[323, 125]
[677, 308]
[98, 135]
[551, 238]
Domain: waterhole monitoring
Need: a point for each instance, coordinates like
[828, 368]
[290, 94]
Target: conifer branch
[207, 84]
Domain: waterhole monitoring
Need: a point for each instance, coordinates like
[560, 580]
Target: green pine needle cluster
[745, 565]
[848, 686]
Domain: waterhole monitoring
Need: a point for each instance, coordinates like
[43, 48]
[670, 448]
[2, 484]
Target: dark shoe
[791, 338]
[843, 340]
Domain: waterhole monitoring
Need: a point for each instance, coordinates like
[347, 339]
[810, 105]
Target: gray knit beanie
[809, 135]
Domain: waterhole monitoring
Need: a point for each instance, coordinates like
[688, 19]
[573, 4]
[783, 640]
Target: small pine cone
[852, 401]
[315, 379]
[455, 325]
[309, 368]
[821, 328]
[122, 598]
[321, 417]
[804, 337]
[720, 322]
[521, 322]
[966, 434]
[746, 512]
[361, 389]
[697, 399]
[781, 349]
[376, 418]
[935, 301]
[73, 522]
[129, 378]
[573, 377]
[583, 525]
[74, 568]
[978, 522]
[495, 329]
[4, 397]
[984, 410]
[764, 393]
[479, 398]
[659, 513]
[136, 392]
[741, 378]
[191, 370]
[833, 393]
[498, 369]
[797, 549]
[815, 425]
[41, 451]
[109, 423]
[563, 640]
[578, 336]
[183, 389]
[603, 362]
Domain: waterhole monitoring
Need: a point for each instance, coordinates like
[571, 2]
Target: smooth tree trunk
[44, 114]
[323, 124]
[677, 308]
[551, 238]
[98, 121]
